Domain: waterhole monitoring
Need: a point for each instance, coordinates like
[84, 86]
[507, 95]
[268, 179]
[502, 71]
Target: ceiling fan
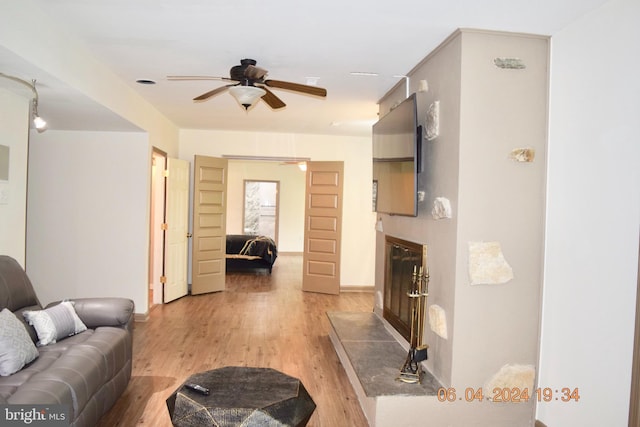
[250, 84]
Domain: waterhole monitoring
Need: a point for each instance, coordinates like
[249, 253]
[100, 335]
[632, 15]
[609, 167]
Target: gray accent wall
[485, 113]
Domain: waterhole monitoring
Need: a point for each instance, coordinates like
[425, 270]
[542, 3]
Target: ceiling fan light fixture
[246, 95]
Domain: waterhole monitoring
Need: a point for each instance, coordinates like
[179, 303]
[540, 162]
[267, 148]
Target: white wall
[593, 217]
[87, 217]
[290, 200]
[32, 35]
[358, 235]
[500, 200]
[14, 131]
[118, 169]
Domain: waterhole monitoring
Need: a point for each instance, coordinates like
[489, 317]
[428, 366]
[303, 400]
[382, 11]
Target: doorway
[634, 407]
[156, 221]
[261, 208]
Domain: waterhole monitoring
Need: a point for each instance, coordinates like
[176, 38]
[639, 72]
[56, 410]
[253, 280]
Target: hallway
[261, 321]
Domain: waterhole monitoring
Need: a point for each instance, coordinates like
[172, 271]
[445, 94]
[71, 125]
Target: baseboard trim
[141, 317]
[366, 289]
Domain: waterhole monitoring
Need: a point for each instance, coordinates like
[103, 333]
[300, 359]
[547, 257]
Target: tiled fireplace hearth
[372, 359]
[373, 347]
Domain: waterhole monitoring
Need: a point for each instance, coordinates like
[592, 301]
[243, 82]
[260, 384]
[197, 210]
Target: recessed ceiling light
[145, 82]
[312, 81]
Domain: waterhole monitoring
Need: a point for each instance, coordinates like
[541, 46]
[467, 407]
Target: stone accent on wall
[509, 378]
[487, 264]
[510, 63]
[522, 155]
[441, 208]
[433, 121]
[438, 321]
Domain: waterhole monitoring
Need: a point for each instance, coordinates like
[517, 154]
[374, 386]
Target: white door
[208, 258]
[176, 230]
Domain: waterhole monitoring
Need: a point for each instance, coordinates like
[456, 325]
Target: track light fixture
[38, 122]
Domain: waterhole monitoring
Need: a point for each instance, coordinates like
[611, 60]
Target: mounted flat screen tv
[396, 160]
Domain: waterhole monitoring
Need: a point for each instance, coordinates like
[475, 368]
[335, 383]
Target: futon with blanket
[75, 353]
[250, 252]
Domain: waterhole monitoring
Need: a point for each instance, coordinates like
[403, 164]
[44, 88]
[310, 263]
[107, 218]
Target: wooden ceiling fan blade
[211, 93]
[255, 73]
[297, 87]
[272, 100]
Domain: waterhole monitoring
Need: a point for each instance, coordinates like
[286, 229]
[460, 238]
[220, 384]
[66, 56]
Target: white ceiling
[292, 39]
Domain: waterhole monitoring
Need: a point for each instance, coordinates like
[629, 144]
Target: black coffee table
[241, 396]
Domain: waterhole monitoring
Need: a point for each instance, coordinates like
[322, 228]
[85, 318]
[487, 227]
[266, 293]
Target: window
[261, 208]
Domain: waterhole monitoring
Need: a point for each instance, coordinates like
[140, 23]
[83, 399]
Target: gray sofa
[87, 371]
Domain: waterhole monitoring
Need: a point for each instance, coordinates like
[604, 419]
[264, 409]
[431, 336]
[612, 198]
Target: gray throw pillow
[16, 347]
[55, 323]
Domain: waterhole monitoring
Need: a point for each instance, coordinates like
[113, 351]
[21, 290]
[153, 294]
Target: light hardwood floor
[260, 320]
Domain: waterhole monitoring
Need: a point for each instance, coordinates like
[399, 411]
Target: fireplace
[402, 259]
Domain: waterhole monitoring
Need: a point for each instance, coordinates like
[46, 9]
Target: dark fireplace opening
[402, 258]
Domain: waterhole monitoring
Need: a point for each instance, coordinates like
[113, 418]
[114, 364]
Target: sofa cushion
[68, 369]
[55, 323]
[48, 356]
[84, 363]
[44, 392]
[16, 290]
[16, 346]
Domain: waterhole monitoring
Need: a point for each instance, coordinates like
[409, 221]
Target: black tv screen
[396, 142]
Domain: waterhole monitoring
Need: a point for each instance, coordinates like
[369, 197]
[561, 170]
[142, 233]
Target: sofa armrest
[96, 312]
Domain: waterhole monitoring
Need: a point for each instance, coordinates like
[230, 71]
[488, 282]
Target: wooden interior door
[323, 227]
[176, 229]
[209, 225]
